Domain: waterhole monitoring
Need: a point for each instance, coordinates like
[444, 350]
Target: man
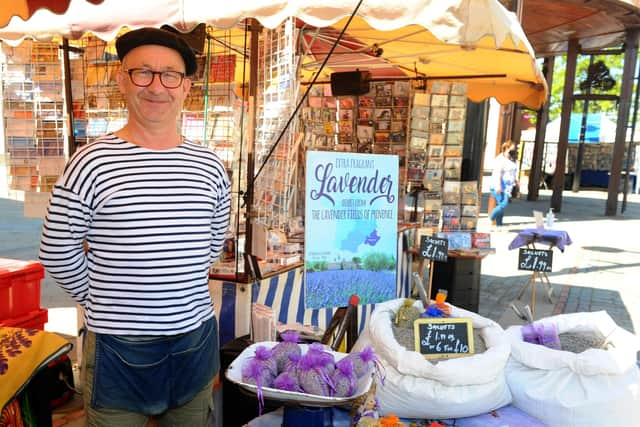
[152, 210]
[503, 179]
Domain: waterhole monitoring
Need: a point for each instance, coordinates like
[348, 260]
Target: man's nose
[156, 85]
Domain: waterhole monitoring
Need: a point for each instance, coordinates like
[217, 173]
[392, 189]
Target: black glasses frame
[160, 74]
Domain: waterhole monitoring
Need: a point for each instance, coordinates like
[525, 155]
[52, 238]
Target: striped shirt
[154, 221]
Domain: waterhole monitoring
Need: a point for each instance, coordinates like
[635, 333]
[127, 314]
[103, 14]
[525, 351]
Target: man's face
[154, 105]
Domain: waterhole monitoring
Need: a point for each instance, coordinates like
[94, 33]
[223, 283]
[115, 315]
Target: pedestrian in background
[152, 209]
[503, 181]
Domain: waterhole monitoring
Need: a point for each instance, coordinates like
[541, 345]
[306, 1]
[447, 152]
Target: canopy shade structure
[474, 41]
[25, 8]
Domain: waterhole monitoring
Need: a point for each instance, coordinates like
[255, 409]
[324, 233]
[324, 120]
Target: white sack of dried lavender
[593, 381]
[414, 387]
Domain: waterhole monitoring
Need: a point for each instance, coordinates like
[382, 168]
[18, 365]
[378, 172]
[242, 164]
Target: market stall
[269, 93]
[440, 51]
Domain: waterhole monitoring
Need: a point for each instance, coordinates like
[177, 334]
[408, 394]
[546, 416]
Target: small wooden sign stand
[538, 273]
[544, 279]
[432, 248]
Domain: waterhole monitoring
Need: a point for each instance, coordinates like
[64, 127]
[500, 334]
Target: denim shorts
[153, 374]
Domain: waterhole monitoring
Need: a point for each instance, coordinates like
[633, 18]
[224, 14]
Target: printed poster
[351, 228]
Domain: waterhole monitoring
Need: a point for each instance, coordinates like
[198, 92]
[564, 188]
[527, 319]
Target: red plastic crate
[19, 287]
[33, 320]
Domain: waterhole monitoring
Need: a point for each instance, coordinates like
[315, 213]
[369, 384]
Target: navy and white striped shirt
[154, 220]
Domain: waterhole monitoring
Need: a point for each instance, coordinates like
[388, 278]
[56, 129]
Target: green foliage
[378, 261]
[613, 62]
[315, 266]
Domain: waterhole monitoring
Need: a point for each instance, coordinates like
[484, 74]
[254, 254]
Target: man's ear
[186, 85]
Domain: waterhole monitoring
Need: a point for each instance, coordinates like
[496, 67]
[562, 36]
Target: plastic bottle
[549, 219]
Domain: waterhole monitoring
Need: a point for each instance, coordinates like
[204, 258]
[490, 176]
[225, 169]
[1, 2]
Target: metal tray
[234, 374]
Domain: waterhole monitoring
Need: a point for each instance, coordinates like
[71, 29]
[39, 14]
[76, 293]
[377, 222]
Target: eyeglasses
[143, 77]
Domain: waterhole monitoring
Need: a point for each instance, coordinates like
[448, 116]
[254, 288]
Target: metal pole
[542, 118]
[630, 57]
[575, 186]
[563, 137]
[255, 29]
[68, 96]
[631, 147]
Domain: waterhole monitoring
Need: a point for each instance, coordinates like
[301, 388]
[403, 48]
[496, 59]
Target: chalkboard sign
[443, 338]
[535, 260]
[434, 248]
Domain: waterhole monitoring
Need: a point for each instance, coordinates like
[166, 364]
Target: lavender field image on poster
[332, 288]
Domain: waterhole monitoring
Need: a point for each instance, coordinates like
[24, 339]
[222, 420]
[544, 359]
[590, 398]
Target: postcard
[455, 126]
[381, 136]
[452, 174]
[468, 223]
[437, 127]
[401, 88]
[459, 89]
[382, 101]
[330, 102]
[455, 138]
[457, 101]
[432, 204]
[398, 126]
[399, 114]
[421, 98]
[400, 101]
[417, 143]
[435, 163]
[452, 186]
[432, 185]
[469, 186]
[365, 101]
[457, 240]
[440, 87]
[450, 210]
[420, 124]
[436, 150]
[431, 219]
[452, 163]
[452, 150]
[420, 112]
[481, 240]
[470, 210]
[457, 113]
[469, 198]
[433, 174]
[417, 156]
[436, 139]
[346, 102]
[439, 114]
[451, 224]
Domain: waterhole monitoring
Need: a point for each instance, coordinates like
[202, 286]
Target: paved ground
[599, 271]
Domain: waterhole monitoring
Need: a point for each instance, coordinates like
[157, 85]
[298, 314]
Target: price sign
[434, 248]
[535, 260]
[438, 337]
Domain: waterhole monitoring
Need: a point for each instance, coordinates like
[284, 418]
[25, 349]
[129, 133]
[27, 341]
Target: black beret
[150, 35]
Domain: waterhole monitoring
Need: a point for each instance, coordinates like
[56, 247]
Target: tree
[614, 65]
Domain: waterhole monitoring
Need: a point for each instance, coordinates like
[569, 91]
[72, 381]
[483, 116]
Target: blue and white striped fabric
[284, 293]
[154, 221]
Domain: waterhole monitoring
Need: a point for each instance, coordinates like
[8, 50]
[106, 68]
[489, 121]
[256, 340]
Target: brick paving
[598, 271]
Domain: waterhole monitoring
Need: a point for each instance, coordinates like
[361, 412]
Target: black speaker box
[350, 83]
